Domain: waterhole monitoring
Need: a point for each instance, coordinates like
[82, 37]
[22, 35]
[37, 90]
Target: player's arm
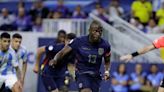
[40, 51]
[24, 67]
[107, 55]
[107, 66]
[73, 44]
[158, 43]
[60, 54]
[144, 50]
[18, 72]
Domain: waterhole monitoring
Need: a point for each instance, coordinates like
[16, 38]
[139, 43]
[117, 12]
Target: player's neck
[91, 40]
[14, 49]
[3, 50]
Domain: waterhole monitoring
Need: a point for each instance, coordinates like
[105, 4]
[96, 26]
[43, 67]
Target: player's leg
[16, 87]
[161, 88]
[56, 90]
[83, 83]
[60, 84]
[49, 83]
[95, 81]
[12, 83]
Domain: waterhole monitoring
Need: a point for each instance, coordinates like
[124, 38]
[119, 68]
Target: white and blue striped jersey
[7, 62]
[21, 55]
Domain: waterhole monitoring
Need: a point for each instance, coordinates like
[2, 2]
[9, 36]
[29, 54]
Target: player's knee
[161, 89]
[56, 90]
[86, 90]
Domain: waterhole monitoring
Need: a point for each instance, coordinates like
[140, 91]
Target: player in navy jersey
[61, 35]
[53, 77]
[89, 52]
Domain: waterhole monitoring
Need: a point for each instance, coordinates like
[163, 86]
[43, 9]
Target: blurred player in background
[8, 65]
[60, 39]
[54, 77]
[89, 52]
[21, 54]
[158, 43]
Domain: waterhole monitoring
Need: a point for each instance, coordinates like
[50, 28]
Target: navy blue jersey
[89, 56]
[61, 67]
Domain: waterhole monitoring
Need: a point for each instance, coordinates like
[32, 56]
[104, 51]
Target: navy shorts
[162, 83]
[52, 83]
[88, 81]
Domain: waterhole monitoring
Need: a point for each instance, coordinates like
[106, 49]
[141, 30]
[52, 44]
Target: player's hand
[51, 62]
[126, 58]
[36, 68]
[106, 75]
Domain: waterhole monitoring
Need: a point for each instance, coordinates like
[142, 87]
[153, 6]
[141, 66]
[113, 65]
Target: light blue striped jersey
[21, 55]
[7, 62]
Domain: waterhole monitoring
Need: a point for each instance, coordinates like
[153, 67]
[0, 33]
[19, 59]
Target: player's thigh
[56, 90]
[49, 83]
[11, 80]
[161, 88]
[86, 90]
[83, 82]
[95, 81]
[59, 82]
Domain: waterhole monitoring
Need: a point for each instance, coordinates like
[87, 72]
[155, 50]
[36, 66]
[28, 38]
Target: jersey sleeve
[74, 43]
[158, 43]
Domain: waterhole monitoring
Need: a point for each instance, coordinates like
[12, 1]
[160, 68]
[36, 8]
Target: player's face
[16, 42]
[61, 37]
[95, 33]
[5, 43]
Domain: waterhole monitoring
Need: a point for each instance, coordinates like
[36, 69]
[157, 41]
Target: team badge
[100, 51]
[50, 48]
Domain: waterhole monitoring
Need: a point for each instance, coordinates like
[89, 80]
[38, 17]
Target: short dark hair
[62, 32]
[71, 36]
[5, 35]
[16, 35]
[95, 23]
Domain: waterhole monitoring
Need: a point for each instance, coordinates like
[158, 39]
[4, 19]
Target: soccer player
[89, 52]
[21, 54]
[60, 39]
[158, 43]
[8, 65]
[53, 77]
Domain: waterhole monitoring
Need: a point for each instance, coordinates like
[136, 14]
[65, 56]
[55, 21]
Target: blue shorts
[52, 83]
[88, 81]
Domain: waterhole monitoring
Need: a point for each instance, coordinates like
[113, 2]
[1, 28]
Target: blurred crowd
[146, 15]
[137, 81]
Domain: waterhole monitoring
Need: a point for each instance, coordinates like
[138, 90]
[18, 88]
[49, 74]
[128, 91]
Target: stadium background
[124, 36]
